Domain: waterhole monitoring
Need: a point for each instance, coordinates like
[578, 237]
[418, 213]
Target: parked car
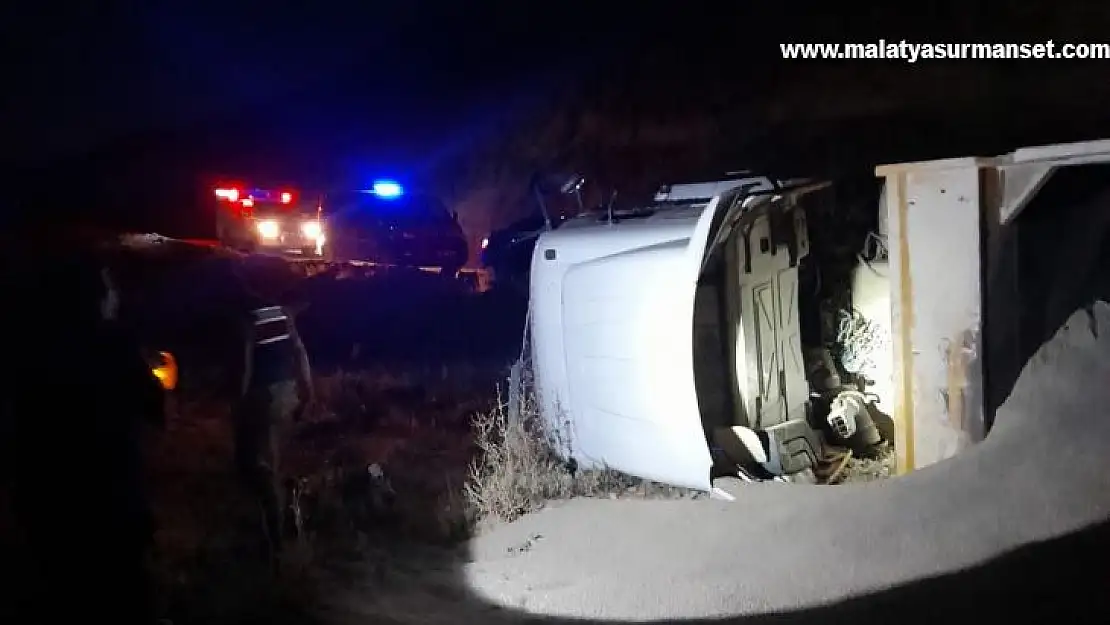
[276, 220]
[507, 253]
[389, 225]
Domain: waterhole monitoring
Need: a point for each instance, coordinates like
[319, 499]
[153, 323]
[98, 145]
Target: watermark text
[911, 52]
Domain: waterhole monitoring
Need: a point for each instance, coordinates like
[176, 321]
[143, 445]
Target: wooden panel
[936, 311]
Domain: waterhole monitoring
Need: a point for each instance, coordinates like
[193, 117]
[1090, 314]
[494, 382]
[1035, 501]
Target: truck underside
[780, 383]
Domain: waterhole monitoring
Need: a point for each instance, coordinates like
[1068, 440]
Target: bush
[516, 469]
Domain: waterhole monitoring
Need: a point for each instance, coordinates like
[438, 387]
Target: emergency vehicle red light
[231, 195]
[286, 197]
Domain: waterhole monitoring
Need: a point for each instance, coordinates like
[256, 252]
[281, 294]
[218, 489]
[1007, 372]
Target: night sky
[90, 76]
[114, 90]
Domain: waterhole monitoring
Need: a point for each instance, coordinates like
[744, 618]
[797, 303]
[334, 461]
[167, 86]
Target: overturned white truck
[667, 340]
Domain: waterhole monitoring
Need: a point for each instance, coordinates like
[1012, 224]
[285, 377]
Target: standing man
[275, 389]
[78, 396]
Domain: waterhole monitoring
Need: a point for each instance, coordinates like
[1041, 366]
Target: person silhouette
[275, 389]
[78, 399]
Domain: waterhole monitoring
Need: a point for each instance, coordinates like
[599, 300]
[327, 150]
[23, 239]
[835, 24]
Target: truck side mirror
[572, 185]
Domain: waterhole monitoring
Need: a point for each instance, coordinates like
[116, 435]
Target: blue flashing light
[387, 189]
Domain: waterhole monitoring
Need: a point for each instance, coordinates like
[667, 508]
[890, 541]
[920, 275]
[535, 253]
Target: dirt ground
[209, 567]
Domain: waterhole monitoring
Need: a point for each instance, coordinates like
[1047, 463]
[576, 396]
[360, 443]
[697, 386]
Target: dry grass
[878, 466]
[517, 469]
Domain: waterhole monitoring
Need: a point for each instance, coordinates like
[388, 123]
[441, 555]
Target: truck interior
[787, 331]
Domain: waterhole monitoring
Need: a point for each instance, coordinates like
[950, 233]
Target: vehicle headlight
[269, 229]
[485, 243]
[312, 229]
